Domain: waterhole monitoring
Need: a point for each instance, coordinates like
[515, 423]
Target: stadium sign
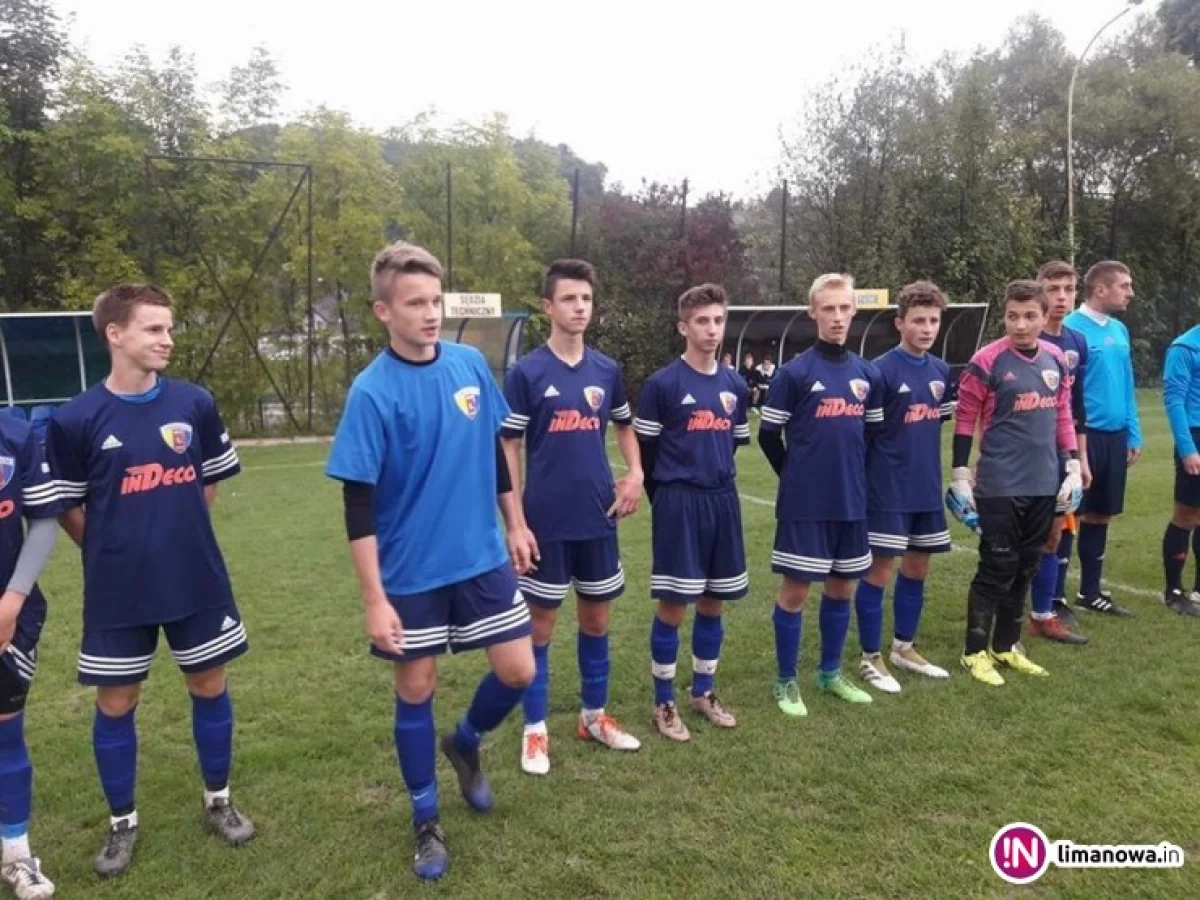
[471, 306]
[871, 298]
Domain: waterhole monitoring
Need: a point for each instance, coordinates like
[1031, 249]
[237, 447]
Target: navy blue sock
[868, 604]
[16, 778]
[664, 650]
[1092, 541]
[835, 623]
[908, 601]
[537, 695]
[416, 751]
[787, 641]
[114, 742]
[1042, 586]
[1065, 544]
[493, 701]
[593, 670]
[707, 635]
[212, 729]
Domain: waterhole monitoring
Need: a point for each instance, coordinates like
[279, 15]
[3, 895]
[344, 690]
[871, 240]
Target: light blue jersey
[424, 435]
[1108, 394]
[1181, 389]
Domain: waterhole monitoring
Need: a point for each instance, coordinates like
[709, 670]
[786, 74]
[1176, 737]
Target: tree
[251, 95]
[1181, 27]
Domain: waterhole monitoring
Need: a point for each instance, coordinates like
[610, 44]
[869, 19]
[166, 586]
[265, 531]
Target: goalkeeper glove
[960, 499]
[1070, 494]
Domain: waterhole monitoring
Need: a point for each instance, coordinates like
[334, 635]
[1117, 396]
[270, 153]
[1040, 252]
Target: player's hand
[384, 627]
[1086, 472]
[1071, 492]
[1191, 464]
[10, 608]
[629, 495]
[523, 548]
[962, 482]
[1132, 455]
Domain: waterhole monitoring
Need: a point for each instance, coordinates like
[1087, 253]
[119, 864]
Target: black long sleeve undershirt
[649, 452]
[771, 442]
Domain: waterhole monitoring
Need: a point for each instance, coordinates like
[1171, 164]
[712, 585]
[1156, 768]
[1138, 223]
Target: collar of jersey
[1098, 317]
[909, 358]
[147, 396]
[437, 354]
[562, 362]
[1021, 353]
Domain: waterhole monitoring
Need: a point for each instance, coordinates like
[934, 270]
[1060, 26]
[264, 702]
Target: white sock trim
[535, 727]
[132, 819]
[16, 848]
[211, 797]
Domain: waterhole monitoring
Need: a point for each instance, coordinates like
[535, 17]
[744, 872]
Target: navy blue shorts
[894, 534]
[479, 612]
[698, 545]
[204, 640]
[1187, 487]
[1108, 459]
[811, 551]
[20, 657]
[592, 567]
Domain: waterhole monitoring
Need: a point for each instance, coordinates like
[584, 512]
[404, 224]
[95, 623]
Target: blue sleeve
[516, 392]
[1132, 423]
[498, 408]
[648, 423]
[873, 416]
[66, 453]
[949, 398]
[360, 444]
[220, 456]
[1078, 401]
[619, 410]
[741, 422]
[781, 397]
[39, 491]
[1177, 378]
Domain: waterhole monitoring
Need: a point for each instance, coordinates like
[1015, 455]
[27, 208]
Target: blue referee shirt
[1108, 394]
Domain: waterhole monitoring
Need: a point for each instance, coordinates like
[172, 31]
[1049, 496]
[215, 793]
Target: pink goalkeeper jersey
[1022, 408]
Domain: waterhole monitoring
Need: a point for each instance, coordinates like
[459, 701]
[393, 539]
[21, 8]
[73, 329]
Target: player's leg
[488, 612]
[425, 619]
[1034, 520]
[908, 604]
[1180, 530]
[20, 869]
[416, 751]
[1066, 545]
[115, 661]
[202, 644]
[544, 591]
[887, 534]
[1044, 622]
[677, 579]
[599, 580]
[851, 559]
[997, 569]
[801, 555]
[1103, 500]
[726, 579]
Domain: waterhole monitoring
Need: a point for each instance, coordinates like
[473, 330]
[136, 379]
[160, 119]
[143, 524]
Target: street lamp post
[1129, 5]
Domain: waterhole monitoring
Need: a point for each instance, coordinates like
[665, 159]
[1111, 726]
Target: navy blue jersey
[823, 407]
[1075, 351]
[27, 491]
[563, 411]
[424, 435]
[696, 419]
[904, 454]
[139, 469]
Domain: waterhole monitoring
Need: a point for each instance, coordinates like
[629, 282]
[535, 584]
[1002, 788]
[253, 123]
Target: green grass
[898, 799]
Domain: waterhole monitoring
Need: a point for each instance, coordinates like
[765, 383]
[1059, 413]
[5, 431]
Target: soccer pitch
[897, 799]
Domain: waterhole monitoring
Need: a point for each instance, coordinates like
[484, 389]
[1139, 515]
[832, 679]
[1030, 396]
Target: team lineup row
[427, 446]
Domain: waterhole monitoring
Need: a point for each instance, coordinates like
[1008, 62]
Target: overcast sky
[653, 88]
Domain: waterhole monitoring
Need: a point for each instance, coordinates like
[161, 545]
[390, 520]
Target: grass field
[897, 799]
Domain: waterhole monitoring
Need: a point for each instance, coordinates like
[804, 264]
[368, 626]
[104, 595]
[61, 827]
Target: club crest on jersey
[1072, 357]
[8, 466]
[1051, 378]
[594, 397]
[467, 400]
[177, 436]
[938, 389]
[860, 388]
[728, 401]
